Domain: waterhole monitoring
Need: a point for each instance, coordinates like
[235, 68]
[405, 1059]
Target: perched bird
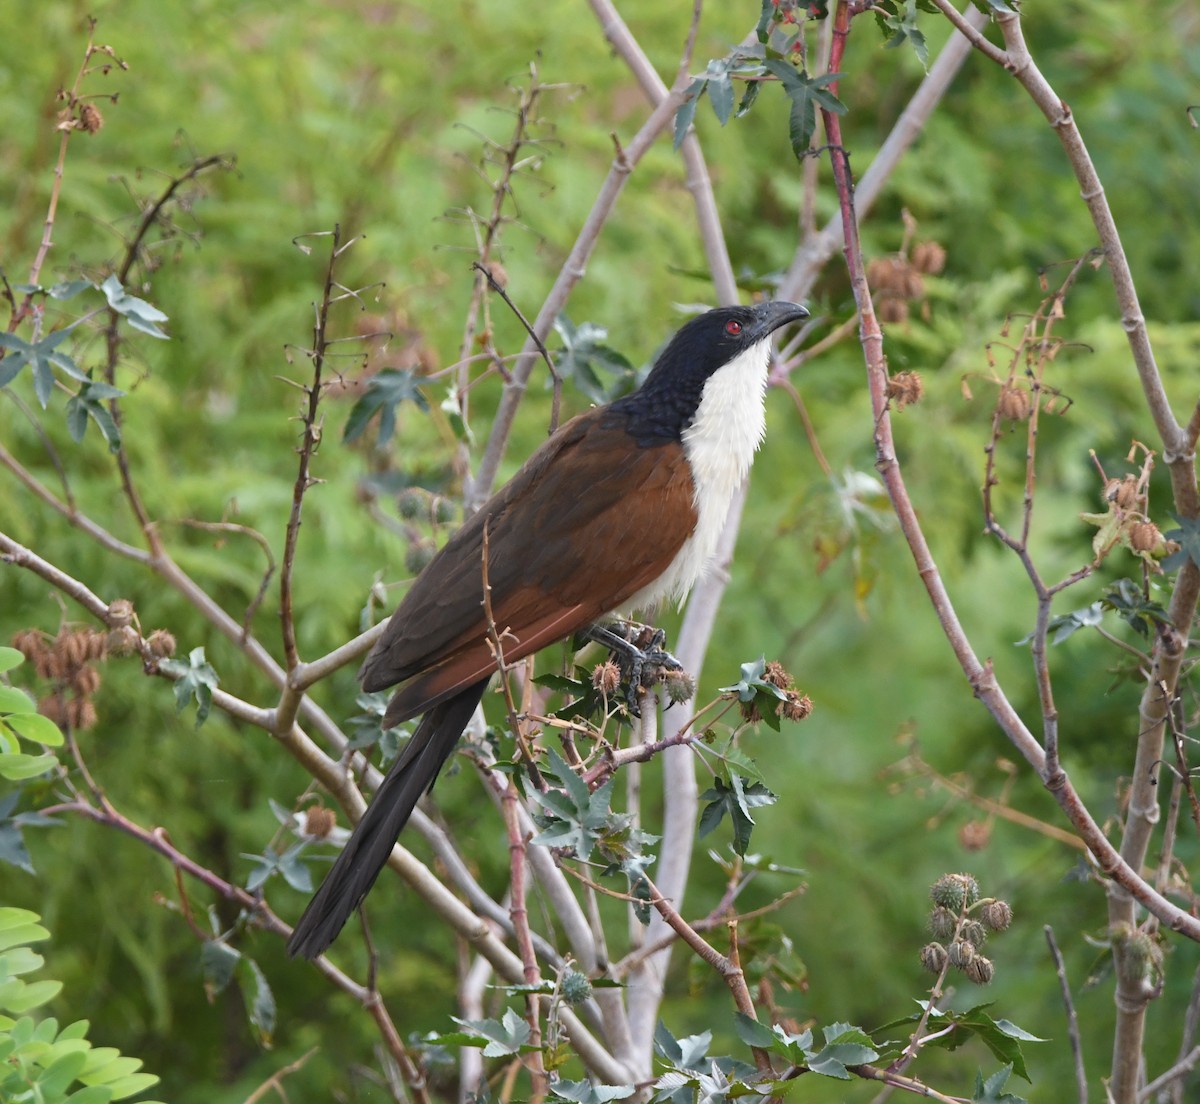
[620, 508]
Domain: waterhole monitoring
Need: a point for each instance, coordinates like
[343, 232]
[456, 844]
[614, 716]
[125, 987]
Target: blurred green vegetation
[372, 115]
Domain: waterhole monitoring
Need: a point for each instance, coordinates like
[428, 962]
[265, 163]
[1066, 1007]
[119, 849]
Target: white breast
[719, 444]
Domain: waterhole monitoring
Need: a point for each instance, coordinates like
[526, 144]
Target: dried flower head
[795, 707]
[904, 388]
[1015, 403]
[161, 644]
[929, 257]
[90, 119]
[1144, 536]
[606, 677]
[319, 821]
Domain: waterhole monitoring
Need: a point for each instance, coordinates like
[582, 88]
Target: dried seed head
[997, 915]
[796, 707]
[1015, 402]
[122, 642]
[776, 674]
[1126, 495]
[72, 649]
[904, 388]
[81, 713]
[974, 933]
[86, 681]
[933, 957]
[980, 970]
[120, 613]
[750, 711]
[929, 256]
[942, 922]
[1144, 536]
[96, 644]
[975, 835]
[161, 644]
[892, 309]
[606, 677]
[498, 274]
[319, 821]
[961, 952]
[30, 643]
[90, 119]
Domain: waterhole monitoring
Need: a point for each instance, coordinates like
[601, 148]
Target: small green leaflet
[222, 964]
[40, 356]
[585, 355]
[137, 312]
[295, 873]
[385, 392]
[992, 1091]
[584, 1092]
[87, 403]
[195, 678]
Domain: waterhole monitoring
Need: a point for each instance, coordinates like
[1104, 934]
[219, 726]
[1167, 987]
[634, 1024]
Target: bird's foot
[643, 661]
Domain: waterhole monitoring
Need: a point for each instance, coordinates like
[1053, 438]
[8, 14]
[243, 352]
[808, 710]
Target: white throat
[719, 444]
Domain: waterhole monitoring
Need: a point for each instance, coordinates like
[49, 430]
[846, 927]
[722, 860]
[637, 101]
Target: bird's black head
[664, 405]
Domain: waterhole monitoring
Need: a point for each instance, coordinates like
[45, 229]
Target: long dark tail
[367, 850]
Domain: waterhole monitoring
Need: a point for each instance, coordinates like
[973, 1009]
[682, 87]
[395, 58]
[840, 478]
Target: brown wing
[590, 520]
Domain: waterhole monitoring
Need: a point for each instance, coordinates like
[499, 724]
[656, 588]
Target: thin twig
[1072, 1019]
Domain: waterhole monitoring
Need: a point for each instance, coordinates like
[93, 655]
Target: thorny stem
[310, 442]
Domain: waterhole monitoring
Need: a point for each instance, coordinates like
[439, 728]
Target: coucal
[620, 508]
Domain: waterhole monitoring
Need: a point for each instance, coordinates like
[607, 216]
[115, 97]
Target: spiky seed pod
[444, 510]
[1144, 536]
[85, 681]
[90, 118]
[575, 987]
[1124, 493]
[95, 644]
[679, 685]
[974, 933]
[975, 835]
[161, 644]
[30, 643]
[929, 257]
[1014, 403]
[72, 650]
[892, 309]
[122, 642]
[606, 677]
[796, 707]
[942, 923]
[413, 502]
[776, 674]
[81, 714]
[961, 951]
[933, 957]
[750, 711]
[980, 970]
[418, 555]
[904, 388]
[120, 613]
[997, 915]
[953, 891]
[319, 821]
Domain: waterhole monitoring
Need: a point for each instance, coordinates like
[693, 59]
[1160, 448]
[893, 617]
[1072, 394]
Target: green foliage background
[370, 114]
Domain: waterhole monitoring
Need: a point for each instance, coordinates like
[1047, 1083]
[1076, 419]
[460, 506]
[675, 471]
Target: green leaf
[509, 1035]
[1188, 536]
[687, 111]
[87, 403]
[194, 678]
[735, 798]
[30, 995]
[10, 658]
[35, 727]
[19, 767]
[385, 392]
[137, 312]
[991, 1091]
[260, 1001]
[806, 94]
[720, 90]
[585, 358]
[753, 1033]
[584, 1092]
[13, 700]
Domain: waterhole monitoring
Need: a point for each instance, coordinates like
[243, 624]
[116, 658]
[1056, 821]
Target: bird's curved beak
[770, 316]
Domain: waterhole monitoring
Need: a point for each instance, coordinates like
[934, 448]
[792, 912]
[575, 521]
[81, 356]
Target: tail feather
[370, 844]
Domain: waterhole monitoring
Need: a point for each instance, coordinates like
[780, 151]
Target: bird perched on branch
[619, 509]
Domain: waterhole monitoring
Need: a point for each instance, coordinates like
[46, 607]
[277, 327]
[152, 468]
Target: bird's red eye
[733, 328]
